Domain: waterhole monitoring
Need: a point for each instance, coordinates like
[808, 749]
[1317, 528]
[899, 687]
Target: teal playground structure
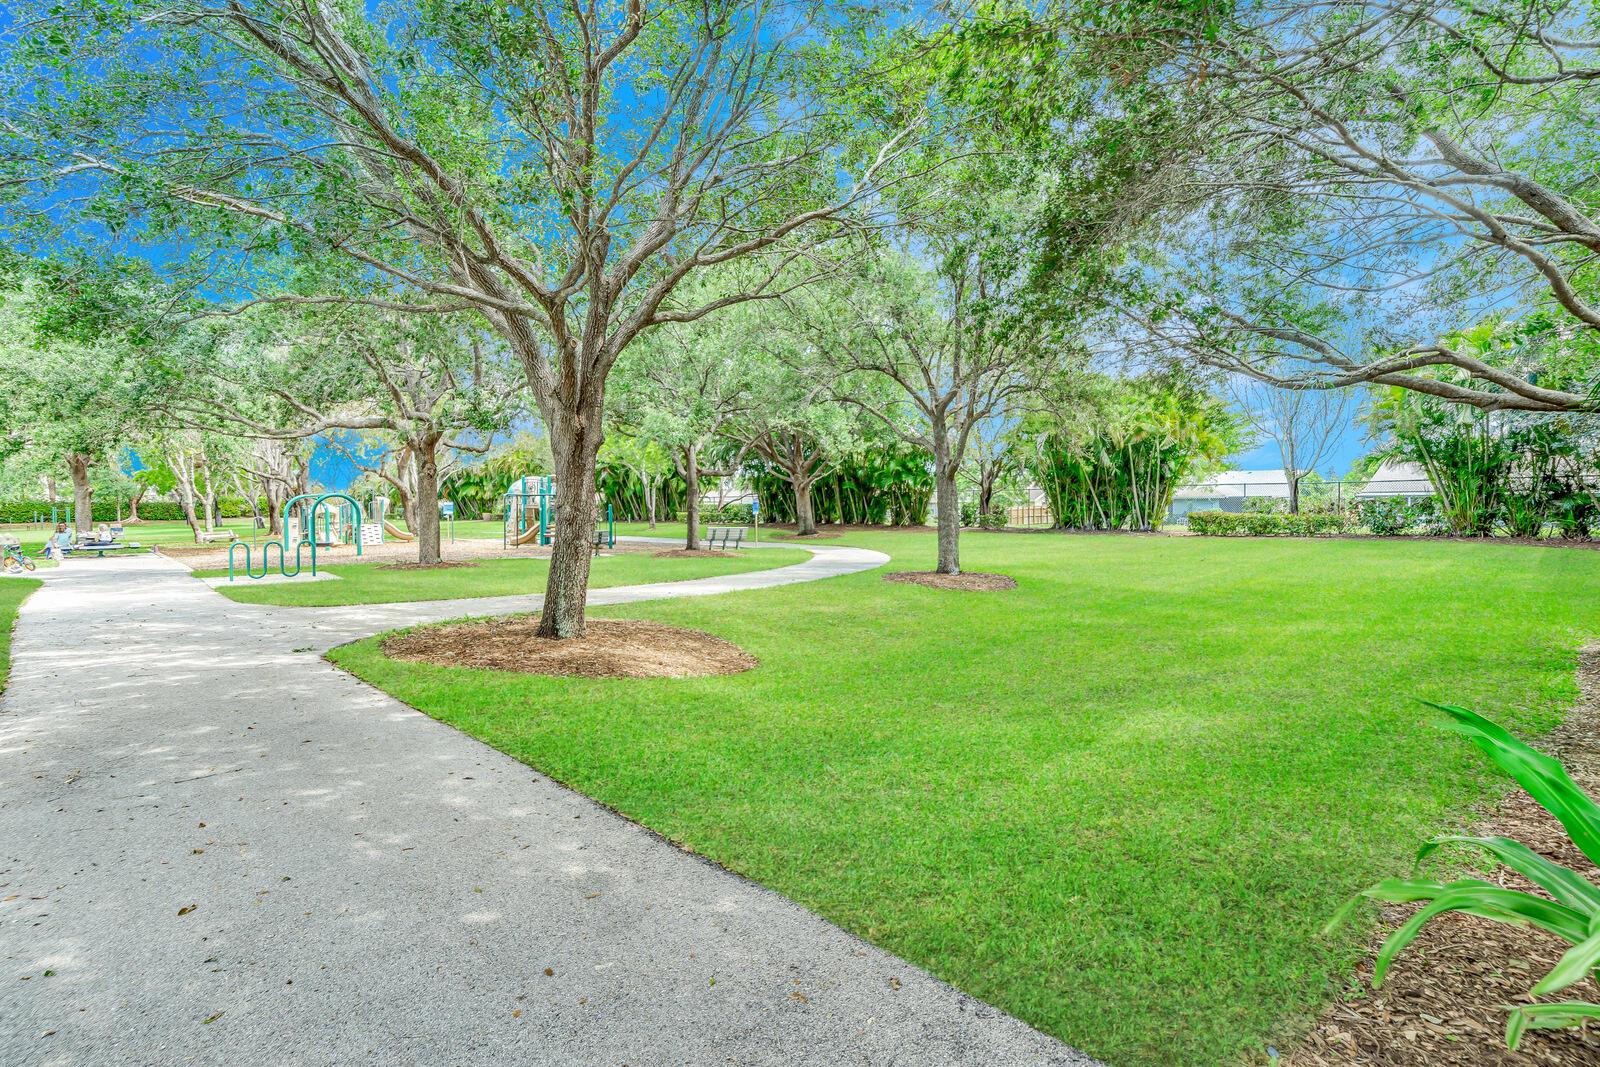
[530, 514]
[310, 520]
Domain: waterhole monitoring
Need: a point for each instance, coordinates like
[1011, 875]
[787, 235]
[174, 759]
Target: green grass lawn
[1118, 801]
[13, 591]
[369, 583]
[145, 533]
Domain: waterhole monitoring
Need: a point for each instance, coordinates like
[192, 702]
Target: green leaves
[1544, 779]
[1547, 1017]
[1573, 914]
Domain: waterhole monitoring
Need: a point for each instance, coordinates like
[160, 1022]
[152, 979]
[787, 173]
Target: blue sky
[1353, 444]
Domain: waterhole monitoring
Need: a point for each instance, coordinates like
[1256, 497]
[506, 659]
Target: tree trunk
[1294, 494]
[133, 505]
[944, 485]
[422, 512]
[649, 498]
[567, 586]
[691, 479]
[805, 518]
[82, 492]
[50, 488]
[185, 473]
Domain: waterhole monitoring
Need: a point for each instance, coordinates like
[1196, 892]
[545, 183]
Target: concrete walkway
[217, 849]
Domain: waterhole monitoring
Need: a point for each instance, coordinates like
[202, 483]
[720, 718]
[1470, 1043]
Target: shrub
[727, 515]
[1266, 505]
[1387, 516]
[1267, 524]
[1571, 910]
[108, 509]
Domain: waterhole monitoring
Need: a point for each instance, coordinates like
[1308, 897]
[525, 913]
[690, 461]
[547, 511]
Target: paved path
[228, 852]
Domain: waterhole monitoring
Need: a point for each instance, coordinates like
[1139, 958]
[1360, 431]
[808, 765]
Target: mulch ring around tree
[443, 565]
[1440, 1004]
[692, 553]
[610, 648]
[969, 581]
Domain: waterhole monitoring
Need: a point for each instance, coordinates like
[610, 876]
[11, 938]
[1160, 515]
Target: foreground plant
[1572, 910]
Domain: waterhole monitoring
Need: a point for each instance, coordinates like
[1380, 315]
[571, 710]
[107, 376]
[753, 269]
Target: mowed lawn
[371, 583]
[1118, 801]
[13, 591]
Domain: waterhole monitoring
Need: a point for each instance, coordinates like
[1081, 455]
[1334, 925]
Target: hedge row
[111, 510]
[1267, 524]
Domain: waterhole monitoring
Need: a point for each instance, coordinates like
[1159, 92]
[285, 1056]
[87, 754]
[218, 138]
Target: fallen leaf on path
[185, 911]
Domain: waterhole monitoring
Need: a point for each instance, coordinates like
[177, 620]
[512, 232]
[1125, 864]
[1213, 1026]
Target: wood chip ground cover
[971, 582]
[611, 648]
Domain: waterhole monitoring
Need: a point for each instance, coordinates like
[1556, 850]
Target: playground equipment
[379, 510]
[340, 523]
[530, 514]
[530, 510]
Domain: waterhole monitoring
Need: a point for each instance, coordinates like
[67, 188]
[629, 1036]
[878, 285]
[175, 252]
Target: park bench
[602, 539]
[725, 536]
[207, 536]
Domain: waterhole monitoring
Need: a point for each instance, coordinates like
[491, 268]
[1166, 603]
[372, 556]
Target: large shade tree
[1379, 179]
[559, 169]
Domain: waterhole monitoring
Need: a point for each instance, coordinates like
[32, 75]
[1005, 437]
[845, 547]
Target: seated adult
[55, 547]
[102, 535]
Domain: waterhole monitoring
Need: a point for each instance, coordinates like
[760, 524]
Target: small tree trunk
[650, 500]
[133, 505]
[805, 517]
[1294, 494]
[185, 473]
[50, 488]
[82, 491]
[423, 510]
[567, 587]
[944, 485]
[691, 479]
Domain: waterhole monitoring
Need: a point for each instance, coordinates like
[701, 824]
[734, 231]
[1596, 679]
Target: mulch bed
[969, 581]
[442, 566]
[610, 648]
[1440, 1004]
[692, 553]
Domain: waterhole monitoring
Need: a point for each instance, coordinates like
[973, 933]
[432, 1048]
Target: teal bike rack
[266, 559]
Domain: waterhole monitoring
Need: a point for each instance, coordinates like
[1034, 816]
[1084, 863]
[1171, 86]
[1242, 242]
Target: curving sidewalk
[338, 625]
[226, 851]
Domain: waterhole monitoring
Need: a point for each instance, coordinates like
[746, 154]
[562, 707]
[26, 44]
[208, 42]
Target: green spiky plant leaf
[1572, 911]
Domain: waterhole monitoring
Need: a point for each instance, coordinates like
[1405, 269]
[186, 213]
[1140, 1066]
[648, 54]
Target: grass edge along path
[1118, 802]
[369, 583]
[13, 591]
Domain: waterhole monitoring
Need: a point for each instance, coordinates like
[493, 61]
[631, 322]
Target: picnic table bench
[101, 548]
[725, 536]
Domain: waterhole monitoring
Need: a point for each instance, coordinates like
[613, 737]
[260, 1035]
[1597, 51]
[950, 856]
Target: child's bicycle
[14, 561]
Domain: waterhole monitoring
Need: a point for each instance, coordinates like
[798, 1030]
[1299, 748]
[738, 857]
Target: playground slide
[530, 536]
[395, 532]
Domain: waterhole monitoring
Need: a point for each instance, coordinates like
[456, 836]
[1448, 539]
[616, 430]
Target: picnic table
[100, 548]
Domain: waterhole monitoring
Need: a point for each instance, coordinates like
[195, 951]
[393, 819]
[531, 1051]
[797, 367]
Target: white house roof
[1395, 478]
[1236, 485]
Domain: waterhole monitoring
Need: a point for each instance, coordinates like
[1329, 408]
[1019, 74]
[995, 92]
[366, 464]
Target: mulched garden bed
[970, 581]
[610, 648]
[1440, 1004]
